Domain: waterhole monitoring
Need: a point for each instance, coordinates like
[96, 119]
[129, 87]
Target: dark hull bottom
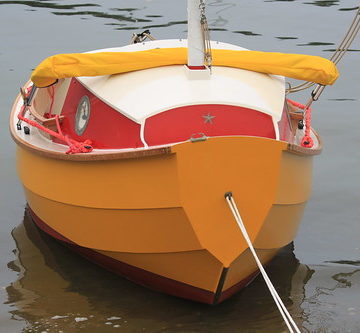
[143, 277]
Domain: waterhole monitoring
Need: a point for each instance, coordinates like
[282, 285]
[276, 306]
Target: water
[44, 287]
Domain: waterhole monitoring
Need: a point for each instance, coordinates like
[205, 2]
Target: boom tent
[297, 66]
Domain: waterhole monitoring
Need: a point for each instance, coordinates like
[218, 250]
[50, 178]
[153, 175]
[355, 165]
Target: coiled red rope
[307, 140]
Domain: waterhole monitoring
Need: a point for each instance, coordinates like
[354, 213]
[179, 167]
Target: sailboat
[126, 154]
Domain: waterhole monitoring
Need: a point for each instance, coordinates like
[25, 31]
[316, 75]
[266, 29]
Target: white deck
[141, 94]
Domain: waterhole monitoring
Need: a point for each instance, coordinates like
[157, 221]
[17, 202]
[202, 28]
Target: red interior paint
[181, 123]
[107, 128]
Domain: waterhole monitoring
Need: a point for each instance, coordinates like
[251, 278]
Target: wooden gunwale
[90, 157]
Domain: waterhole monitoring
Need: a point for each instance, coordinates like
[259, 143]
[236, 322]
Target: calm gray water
[46, 288]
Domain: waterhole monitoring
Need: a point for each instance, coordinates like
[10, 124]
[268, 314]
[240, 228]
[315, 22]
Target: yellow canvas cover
[296, 66]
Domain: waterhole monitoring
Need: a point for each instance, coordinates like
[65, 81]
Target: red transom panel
[180, 124]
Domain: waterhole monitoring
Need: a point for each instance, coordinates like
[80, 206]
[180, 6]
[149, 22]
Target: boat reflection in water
[59, 290]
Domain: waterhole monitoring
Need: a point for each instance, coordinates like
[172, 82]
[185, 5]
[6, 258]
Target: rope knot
[307, 142]
[78, 147]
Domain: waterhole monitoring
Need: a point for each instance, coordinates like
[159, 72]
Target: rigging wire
[337, 55]
[206, 35]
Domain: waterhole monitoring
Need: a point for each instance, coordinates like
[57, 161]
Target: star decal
[208, 118]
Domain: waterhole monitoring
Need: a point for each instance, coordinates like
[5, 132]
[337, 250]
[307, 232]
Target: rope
[307, 140]
[348, 39]
[74, 146]
[289, 321]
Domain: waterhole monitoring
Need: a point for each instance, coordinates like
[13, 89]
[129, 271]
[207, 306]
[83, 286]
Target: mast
[195, 35]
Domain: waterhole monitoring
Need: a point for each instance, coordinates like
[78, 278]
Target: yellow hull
[167, 215]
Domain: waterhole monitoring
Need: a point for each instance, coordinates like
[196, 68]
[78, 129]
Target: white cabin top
[142, 94]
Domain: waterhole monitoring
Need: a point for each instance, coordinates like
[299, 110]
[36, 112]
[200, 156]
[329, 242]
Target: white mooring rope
[289, 321]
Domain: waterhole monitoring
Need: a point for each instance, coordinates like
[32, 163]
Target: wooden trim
[296, 115]
[88, 157]
[47, 122]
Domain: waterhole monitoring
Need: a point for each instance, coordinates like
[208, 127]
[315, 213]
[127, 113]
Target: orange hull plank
[155, 281]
